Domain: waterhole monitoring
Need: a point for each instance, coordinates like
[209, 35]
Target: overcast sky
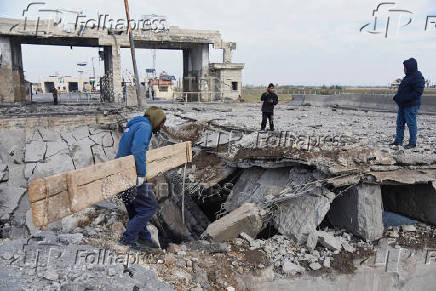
[310, 42]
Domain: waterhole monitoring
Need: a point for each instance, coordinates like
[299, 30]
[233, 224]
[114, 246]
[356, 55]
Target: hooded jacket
[135, 141]
[137, 135]
[412, 87]
[268, 106]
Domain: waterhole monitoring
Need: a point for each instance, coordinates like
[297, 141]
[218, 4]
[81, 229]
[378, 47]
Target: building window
[163, 89]
[235, 86]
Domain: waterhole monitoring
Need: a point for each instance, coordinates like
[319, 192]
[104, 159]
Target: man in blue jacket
[143, 205]
[408, 99]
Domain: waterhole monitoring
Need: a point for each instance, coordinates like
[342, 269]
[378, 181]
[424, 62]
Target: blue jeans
[407, 115]
[140, 211]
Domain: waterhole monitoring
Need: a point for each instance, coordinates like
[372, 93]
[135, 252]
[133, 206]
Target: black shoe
[395, 144]
[410, 146]
[134, 246]
[147, 244]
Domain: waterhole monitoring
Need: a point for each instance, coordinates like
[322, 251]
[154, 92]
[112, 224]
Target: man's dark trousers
[267, 116]
[140, 211]
[407, 115]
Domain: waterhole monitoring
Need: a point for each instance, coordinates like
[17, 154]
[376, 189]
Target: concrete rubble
[256, 218]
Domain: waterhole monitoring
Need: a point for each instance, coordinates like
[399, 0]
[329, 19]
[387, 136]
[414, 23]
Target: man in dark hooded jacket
[408, 99]
[143, 205]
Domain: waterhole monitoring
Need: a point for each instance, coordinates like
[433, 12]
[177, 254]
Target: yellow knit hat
[155, 115]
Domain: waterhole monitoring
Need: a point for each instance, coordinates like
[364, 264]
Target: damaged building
[201, 79]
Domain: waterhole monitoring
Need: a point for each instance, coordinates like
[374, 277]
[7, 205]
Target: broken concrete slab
[82, 154]
[98, 154]
[35, 151]
[10, 141]
[9, 199]
[56, 147]
[16, 175]
[48, 134]
[33, 135]
[248, 218]
[360, 211]
[67, 137]
[80, 133]
[403, 177]
[57, 164]
[108, 140]
[255, 184]
[300, 216]
[98, 137]
[29, 169]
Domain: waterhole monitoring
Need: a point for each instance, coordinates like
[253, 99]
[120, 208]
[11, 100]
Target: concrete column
[112, 69]
[360, 211]
[195, 68]
[228, 47]
[227, 56]
[11, 71]
[187, 69]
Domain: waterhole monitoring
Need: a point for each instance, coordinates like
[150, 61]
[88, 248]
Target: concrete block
[300, 216]
[256, 183]
[247, 218]
[360, 211]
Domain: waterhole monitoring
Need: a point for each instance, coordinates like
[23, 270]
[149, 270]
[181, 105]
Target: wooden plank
[67, 193]
[102, 189]
[58, 183]
[57, 209]
[100, 171]
[53, 184]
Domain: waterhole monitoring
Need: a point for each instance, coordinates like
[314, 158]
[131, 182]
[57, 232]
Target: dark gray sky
[310, 42]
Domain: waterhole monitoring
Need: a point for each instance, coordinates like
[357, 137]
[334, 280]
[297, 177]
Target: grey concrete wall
[359, 101]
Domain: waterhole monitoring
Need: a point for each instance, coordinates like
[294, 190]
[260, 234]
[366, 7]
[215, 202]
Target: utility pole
[154, 62]
[132, 52]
